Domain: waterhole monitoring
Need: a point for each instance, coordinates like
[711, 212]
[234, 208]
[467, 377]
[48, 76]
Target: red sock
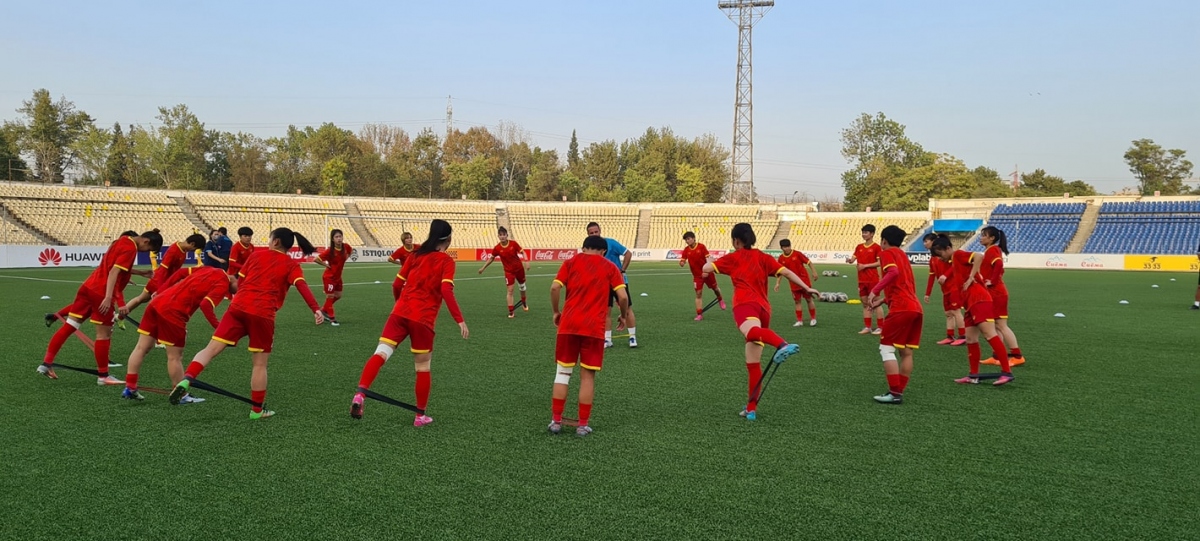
[867, 322]
[799, 315]
[131, 381]
[194, 369]
[1015, 352]
[699, 311]
[556, 408]
[585, 413]
[257, 397]
[423, 384]
[766, 336]
[328, 307]
[56, 343]
[812, 312]
[962, 332]
[973, 357]
[102, 349]
[903, 382]
[370, 371]
[522, 296]
[999, 352]
[754, 371]
[949, 333]
[510, 308]
[894, 384]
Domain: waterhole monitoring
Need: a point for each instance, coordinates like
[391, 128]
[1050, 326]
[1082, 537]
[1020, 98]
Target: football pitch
[1096, 438]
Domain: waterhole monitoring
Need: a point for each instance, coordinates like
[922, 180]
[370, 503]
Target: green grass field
[1097, 438]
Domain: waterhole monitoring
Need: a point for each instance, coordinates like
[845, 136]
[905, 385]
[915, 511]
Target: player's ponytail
[155, 238]
[288, 238]
[439, 232]
[744, 233]
[998, 234]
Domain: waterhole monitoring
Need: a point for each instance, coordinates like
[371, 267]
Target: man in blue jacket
[216, 251]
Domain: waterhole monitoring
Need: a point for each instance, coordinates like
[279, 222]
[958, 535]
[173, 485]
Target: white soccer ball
[842, 297]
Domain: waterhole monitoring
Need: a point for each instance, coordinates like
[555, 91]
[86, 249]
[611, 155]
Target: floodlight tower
[745, 13]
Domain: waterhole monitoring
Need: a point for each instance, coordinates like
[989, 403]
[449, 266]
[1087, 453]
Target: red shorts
[864, 289]
[589, 351]
[798, 294]
[951, 300]
[167, 330]
[978, 313]
[420, 337]
[999, 305]
[86, 304]
[699, 282]
[332, 285]
[514, 276]
[902, 329]
[743, 312]
[237, 324]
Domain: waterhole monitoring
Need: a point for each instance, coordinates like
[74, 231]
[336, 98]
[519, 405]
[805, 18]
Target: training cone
[45, 297]
[1060, 314]
[377, 281]
[1155, 286]
[853, 301]
[1123, 302]
[645, 294]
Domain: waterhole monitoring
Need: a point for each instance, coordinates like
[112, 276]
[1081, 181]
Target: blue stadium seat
[1146, 227]
[1036, 227]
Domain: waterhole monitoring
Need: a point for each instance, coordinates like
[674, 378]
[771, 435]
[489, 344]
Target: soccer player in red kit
[940, 272]
[166, 318]
[748, 269]
[99, 299]
[511, 256]
[992, 273]
[589, 280]
[63, 312]
[795, 261]
[428, 276]
[979, 318]
[695, 255]
[173, 258]
[241, 250]
[866, 258]
[406, 248]
[263, 285]
[902, 326]
[334, 260]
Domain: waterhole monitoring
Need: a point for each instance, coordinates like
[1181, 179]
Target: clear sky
[1060, 85]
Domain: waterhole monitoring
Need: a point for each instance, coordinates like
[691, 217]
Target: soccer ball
[842, 297]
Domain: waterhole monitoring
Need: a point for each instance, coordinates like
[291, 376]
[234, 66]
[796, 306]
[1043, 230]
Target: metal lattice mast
[745, 13]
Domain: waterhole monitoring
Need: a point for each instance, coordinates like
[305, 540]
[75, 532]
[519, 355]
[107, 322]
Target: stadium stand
[474, 222]
[93, 215]
[541, 225]
[835, 232]
[1146, 227]
[711, 223]
[313, 217]
[1036, 228]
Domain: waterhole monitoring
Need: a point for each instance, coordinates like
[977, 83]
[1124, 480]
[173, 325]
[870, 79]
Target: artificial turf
[1095, 439]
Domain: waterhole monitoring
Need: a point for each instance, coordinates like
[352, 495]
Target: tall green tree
[691, 187]
[1158, 169]
[178, 150]
[879, 152]
[471, 179]
[600, 171]
[12, 167]
[573, 152]
[47, 132]
[544, 181]
[333, 177]
[1039, 183]
[91, 151]
[117, 164]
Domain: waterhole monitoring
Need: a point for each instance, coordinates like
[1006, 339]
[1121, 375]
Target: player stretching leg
[695, 255]
[749, 269]
[265, 279]
[795, 261]
[166, 319]
[511, 257]
[397, 258]
[589, 280]
[992, 272]
[866, 258]
[334, 260]
[940, 272]
[99, 297]
[428, 276]
[980, 317]
[902, 326]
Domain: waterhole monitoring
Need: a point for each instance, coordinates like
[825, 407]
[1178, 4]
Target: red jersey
[796, 263]
[336, 259]
[173, 258]
[266, 277]
[121, 254]
[993, 269]
[696, 257]
[238, 256]
[866, 254]
[963, 263]
[748, 269]
[901, 292]
[422, 296]
[510, 254]
[402, 253]
[589, 280]
[938, 269]
[176, 303]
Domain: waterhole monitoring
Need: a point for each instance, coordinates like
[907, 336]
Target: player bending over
[695, 255]
[428, 276]
[397, 258]
[979, 317]
[334, 260]
[511, 257]
[589, 280]
[795, 261]
[992, 273]
[902, 326]
[748, 269]
[166, 319]
[941, 272]
[173, 258]
[265, 279]
[99, 299]
[866, 258]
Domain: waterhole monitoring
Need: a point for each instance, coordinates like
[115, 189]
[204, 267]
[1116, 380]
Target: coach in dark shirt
[216, 252]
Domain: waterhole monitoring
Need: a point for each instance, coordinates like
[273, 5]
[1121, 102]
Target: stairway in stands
[1087, 224]
[193, 216]
[643, 230]
[359, 226]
